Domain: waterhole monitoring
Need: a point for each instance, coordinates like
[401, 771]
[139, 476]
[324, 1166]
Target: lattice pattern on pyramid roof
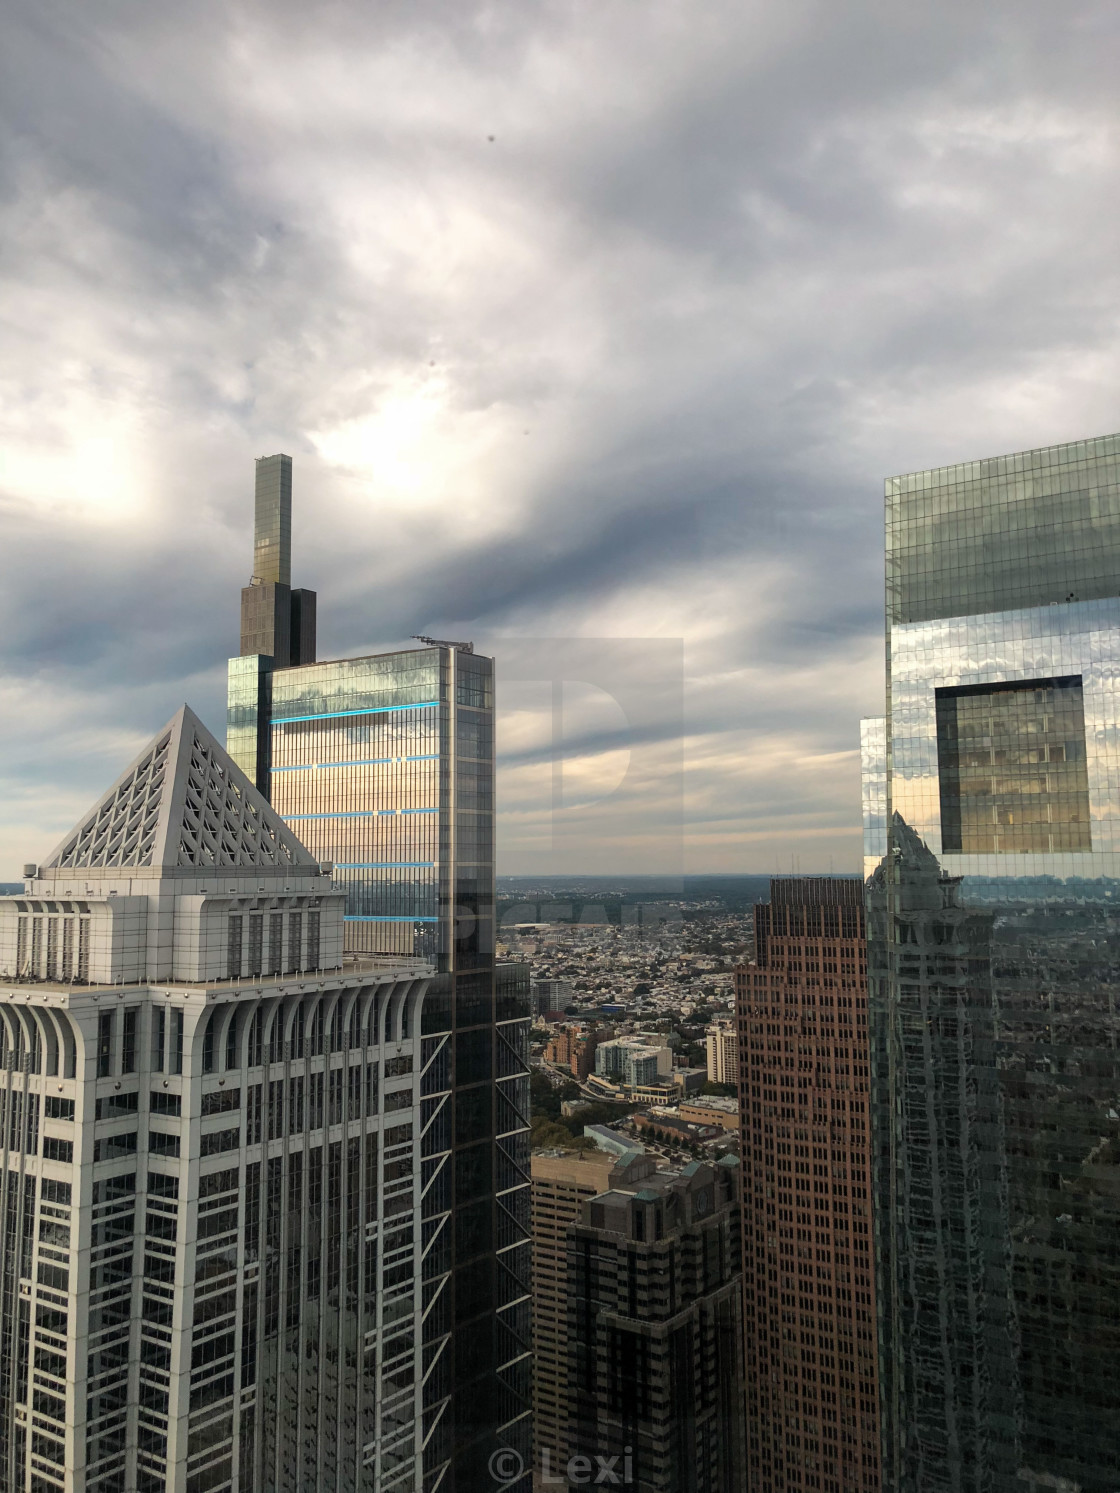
[122, 828]
[183, 805]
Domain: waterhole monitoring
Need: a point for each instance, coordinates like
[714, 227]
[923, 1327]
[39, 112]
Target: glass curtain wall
[385, 766]
[354, 768]
[994, 923]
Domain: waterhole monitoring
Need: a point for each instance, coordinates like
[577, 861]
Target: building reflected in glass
[994, 963]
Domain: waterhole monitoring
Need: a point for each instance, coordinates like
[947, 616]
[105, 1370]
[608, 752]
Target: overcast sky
[597, 320]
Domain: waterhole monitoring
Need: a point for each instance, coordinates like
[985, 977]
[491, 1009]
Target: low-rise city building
[574, 1046]
[676, 1125]
[661, 1095]
[722, 1043]
[550, 996]
[634, 1060]
[611, 1141]
[711, 1110]
[690, 1080]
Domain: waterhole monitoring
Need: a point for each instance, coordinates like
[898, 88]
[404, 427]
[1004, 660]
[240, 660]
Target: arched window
[256, 1039]
[231, 1041]
[276, 1037]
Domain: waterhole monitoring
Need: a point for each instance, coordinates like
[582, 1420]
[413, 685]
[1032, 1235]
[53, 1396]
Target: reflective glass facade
[384, 766]
[327, 777]
[1011, 767]
[994, 945]
[1027, 530]
[272, 520]
[873, 771]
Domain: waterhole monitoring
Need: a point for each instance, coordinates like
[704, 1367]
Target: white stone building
[213, 1273]
[723, 1053]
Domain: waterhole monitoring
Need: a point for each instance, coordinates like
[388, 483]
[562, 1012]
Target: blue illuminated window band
[359, 762]
[334, 715]
[359, 814]
[356, 918]
[378, 865]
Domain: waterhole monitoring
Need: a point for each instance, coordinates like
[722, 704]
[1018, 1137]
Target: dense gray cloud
[593, 320]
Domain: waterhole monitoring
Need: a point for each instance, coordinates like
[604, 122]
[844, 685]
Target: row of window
[166, 1033]
[250, 952]
[312, 1034]
[54, 946]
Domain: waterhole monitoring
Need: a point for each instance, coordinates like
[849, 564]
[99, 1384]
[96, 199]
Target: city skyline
[797, 248]
[629, 993]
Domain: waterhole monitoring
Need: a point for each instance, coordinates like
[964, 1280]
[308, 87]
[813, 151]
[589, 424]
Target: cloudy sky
[592, 320]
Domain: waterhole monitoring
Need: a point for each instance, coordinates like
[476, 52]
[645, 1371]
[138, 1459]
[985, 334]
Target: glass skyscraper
[384, 767]
[994, 975]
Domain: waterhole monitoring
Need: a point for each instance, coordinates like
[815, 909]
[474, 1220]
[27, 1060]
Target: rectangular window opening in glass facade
[1012, 767]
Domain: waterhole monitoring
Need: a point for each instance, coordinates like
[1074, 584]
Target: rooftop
[381, 965]
[181, 807]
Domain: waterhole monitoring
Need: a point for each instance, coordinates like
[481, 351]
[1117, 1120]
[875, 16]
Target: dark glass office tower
[994, 975]
[655, 1369]
[276, 621]
[384, 766]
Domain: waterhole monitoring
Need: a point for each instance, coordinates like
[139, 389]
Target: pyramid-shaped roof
[182, 806]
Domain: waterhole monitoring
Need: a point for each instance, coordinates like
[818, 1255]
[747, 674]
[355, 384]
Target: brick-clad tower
[808, 1262]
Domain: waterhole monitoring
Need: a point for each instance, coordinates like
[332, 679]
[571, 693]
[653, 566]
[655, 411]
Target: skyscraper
[275, 620]
[994, 928]
[213, 1269]
[808, 1265]
[562, 1182]
[384, 766]
[655, 1332]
